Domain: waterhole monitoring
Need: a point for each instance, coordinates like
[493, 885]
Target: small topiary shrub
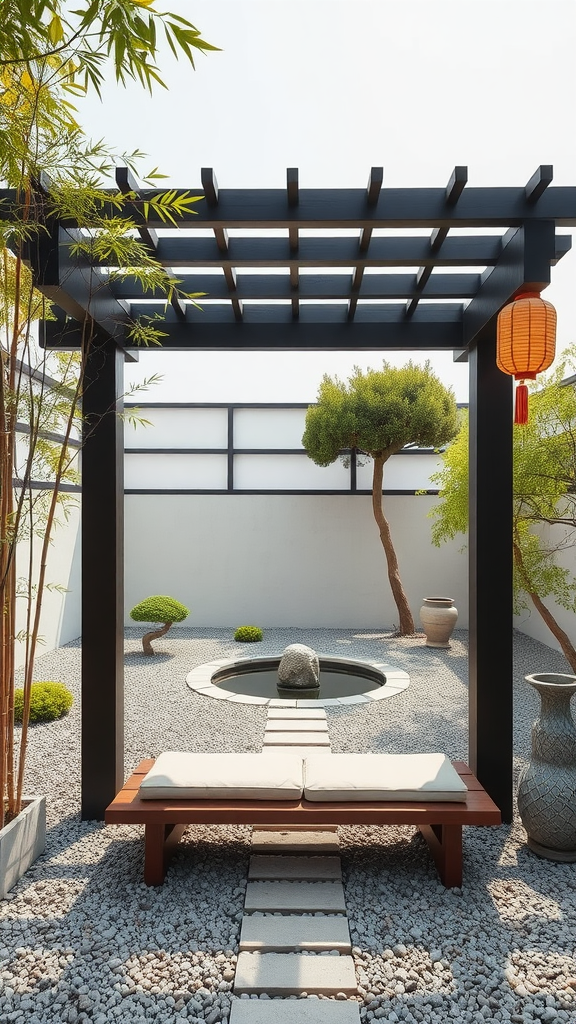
[248, 634]
[47, 701]
[158, 609]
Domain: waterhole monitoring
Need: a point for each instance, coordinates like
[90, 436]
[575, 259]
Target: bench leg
[160, 842]
[445, 843]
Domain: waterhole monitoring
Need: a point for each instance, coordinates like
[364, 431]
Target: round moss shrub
[159, 609]
[47, 701]
[248, 634]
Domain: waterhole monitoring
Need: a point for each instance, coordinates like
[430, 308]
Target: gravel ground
[82, 938]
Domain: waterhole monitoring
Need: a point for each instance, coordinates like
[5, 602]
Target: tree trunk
[406, 622]
[563, 639]
[153, 635]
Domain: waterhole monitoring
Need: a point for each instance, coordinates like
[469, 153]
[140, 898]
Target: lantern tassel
[521, 410]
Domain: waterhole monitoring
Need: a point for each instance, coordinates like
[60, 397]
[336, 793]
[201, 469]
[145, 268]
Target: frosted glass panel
[402, 472]
[287, 472]
[181, 472]
[179, 428]
[268, 428]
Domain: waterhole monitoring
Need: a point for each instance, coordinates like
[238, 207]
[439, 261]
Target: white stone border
[395, 681]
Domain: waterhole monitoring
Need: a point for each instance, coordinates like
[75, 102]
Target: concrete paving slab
[215, 691]
[302, 738]
[327, 702]
[296, 724]
[293, 932]
[294, 1011]
[320, 841]
[295, 897]
[317, 713]
[284, 974]
[245, 698]
[304, 869]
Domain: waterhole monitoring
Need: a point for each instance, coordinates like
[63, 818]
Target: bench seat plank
[165, 820]
[128, 808]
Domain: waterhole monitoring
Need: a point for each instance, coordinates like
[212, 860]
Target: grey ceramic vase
[547, 787]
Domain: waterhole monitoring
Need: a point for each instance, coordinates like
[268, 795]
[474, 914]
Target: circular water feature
[255, 681]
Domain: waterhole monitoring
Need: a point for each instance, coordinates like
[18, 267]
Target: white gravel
[82, 938]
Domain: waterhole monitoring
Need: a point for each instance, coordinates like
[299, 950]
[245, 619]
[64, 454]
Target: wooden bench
[165, 820]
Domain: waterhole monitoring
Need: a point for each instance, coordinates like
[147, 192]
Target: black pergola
[361, 269]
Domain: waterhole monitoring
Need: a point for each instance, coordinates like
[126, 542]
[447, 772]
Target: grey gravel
[83, 939]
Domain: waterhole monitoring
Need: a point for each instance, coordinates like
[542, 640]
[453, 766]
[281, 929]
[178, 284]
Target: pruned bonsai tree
[379, 413]
[158, 609]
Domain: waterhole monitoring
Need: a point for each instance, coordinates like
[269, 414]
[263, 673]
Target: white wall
[292, 560]
[285, 560]
[61, 612]
[307, 560]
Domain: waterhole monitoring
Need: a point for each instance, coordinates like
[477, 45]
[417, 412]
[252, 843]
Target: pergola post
[490, 575]
[102, 580]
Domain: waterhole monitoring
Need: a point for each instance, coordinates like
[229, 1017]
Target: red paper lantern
[526, 343]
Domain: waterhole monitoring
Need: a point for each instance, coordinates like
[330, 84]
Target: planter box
[22, 841]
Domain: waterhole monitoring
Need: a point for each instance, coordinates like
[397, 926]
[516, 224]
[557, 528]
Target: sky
[335, 87]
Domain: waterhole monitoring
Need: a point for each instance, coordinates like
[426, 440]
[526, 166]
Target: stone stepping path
[292, 933]
[282, 747]
[295, 897]
[294, 1011]
[300, 714]
[295, 939]
[266, 840]
[294, 725]
[305, 869]
[286, 974]
[289, 737]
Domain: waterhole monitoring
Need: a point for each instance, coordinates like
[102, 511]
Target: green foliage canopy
[380, 412]
[248, 634]
[92, 33]
[159, 608]
[48, 701]
[544, 453]
[52, 51]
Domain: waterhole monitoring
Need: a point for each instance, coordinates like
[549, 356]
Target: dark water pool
[261, 680]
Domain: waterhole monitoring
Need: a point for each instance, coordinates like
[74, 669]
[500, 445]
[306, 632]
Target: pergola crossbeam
[293, 239]
[539, 182]
[456, 185]
[127, 184]
[374, 185]
[425, 208]
[209, 186]
[437, 238]
[340, 251]
[313, 286]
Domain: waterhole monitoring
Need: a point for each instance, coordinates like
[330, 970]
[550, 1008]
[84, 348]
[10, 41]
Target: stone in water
[299, 668]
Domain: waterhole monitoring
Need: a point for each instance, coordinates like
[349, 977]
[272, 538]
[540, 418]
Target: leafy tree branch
[544, 468]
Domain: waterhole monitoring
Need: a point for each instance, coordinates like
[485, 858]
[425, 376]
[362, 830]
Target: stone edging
[200, 680]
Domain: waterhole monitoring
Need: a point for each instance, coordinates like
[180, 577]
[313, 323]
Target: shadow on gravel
[140, 660]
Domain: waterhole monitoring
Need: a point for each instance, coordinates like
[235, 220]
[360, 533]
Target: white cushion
[198, 776]
[345, 777]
